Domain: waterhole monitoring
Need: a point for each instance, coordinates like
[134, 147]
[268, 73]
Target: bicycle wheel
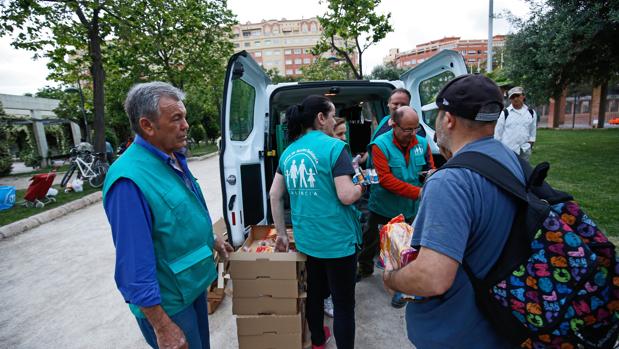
[100, 170]
[67, 175]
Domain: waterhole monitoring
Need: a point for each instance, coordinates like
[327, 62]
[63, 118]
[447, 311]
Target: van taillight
[233, 218]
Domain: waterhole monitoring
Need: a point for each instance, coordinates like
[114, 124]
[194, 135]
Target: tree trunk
[360, 76]
[602, 110]
[98, 78]
[556, 113]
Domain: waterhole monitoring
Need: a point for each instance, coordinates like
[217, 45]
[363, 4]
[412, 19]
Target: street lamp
[79, 90]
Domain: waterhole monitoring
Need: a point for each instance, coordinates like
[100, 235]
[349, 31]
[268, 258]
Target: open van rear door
[244, 120]
[426, 80]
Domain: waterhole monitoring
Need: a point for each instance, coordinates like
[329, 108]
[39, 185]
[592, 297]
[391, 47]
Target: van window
[241, 110]
[428, 89]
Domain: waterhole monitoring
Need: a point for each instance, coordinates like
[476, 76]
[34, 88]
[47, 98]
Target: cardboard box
[266, 305]
[216, 292]
[276, 265]
[267, 287]
[270, 331]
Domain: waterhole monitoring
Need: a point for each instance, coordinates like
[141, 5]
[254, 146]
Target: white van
[254, 132]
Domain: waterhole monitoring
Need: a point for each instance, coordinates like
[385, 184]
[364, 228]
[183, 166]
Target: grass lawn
[584, 163]
[203, 149]
[18, 211]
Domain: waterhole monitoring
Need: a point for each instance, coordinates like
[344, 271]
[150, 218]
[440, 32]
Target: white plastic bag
[52, 192]
[78, 185]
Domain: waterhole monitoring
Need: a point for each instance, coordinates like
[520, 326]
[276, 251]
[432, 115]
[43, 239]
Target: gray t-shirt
[465, 217]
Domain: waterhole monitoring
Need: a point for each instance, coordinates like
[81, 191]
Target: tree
[325, 69]
[349, 28]
[276, 78]
[60, 30]
[564, 43]
[387, 71]
[186, 43]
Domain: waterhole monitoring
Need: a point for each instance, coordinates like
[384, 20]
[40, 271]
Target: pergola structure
[37, 112]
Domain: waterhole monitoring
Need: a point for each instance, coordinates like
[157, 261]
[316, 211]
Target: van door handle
[231, 202]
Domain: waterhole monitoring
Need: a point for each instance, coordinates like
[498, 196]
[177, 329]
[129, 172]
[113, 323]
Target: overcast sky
[414, 22]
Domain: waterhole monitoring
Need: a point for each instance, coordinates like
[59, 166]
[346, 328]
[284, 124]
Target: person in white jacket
[517, 125]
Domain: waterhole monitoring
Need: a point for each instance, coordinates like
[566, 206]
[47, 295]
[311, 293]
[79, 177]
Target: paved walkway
[57, 288]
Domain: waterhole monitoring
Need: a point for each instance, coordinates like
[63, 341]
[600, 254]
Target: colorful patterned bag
[556, 283]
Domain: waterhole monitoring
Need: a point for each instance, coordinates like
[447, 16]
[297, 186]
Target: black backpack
[555, 284]
[506, 113]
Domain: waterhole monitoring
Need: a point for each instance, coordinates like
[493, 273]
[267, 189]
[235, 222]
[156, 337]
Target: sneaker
[327, 339]
[329, 306]
[397, 301]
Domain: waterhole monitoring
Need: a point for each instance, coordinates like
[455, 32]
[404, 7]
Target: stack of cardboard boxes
[268, 293]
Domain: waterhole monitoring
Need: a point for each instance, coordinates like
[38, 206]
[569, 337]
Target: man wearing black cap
[462, 218]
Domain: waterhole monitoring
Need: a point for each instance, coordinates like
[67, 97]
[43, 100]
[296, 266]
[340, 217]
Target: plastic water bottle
[355, 161]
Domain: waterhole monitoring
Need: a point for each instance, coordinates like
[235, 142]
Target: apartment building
[282, 44]
[475, 52]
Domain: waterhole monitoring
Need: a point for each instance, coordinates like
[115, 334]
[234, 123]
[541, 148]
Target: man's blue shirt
[465, 217]
[130, 219]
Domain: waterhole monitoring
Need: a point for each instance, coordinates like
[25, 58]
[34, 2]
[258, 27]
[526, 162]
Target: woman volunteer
[316, 172]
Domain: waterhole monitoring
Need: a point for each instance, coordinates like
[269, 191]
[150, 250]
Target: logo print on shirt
[300, 171]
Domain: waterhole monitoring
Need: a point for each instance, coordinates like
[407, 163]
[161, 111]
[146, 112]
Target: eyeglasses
[409, 130]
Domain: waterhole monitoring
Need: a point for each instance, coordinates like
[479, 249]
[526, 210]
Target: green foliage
[197, 133]
[324, 69]
[6, 160]
[499, 77]
[29, 153]
[350, 27]
[388, 71]
[50, 92]
[273, 74]
[65, 29]
[562, 43]
[183, 42]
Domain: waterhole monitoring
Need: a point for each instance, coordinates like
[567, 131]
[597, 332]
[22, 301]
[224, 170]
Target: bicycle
[89, 166]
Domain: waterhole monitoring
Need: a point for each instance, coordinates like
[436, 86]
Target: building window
[258, 54]
[246, 33]
[289, 71]
[268, 53]
[297, 51]
[275, 41]
[306, 60]
[472, 52]
[304, 28]
[297, 61]
[267, 42]
[289, 61]
[277, 52]
[313, 27]
[237, 45]
[257, 43]
[413, 61]
[288, 52]
[247, 44]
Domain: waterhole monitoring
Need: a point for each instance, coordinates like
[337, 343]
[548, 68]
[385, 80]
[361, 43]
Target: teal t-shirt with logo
[323, 227]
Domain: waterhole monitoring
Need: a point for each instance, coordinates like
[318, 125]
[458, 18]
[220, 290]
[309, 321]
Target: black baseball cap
[471, 96]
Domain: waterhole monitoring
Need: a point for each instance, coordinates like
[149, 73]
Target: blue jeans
[192, 320]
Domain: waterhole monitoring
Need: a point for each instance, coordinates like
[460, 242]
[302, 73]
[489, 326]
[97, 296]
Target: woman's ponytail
[300, 117]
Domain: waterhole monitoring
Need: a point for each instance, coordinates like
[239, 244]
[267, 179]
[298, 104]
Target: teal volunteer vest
[181, 227]
[383, 121]
[386, 203]
[323, 227]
